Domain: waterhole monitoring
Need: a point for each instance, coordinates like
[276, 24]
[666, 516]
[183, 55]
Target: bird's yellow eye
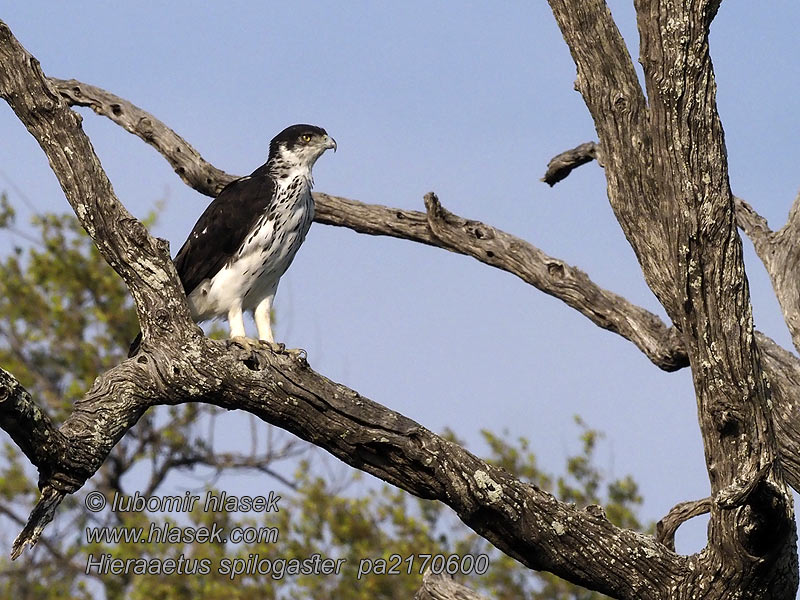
[306, 138]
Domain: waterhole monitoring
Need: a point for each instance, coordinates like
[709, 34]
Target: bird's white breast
[268, 250]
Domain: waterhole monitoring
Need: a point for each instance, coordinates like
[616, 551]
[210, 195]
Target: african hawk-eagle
[245, 240]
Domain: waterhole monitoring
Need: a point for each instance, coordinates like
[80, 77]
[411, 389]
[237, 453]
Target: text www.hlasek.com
[173, 534]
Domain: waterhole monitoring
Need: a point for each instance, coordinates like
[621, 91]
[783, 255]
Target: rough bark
[523, 521]
[442, 587]
[677, 516]
[667, 183]
[142, 262]
[666, 169]
[660, 343]
[29, 427]
[561, 165]
[437, 227]
[780, 253]
[777, 251]
[518, 518]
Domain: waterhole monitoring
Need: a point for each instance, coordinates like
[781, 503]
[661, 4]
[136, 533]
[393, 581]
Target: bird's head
[301, 145]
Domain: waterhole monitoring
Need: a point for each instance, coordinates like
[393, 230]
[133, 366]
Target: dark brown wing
[222, 228]
[220, 231]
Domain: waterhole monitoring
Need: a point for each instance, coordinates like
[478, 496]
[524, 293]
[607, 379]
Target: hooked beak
[330, 143]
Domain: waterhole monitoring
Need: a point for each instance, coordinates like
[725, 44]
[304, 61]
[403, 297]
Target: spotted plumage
[248, 236]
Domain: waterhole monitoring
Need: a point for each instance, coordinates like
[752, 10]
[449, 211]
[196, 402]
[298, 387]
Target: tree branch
[677, 516]
[778, 251]
[55, 553]
[442, 587]
[561, 165]
[668, 185]
[187, 162]
[748, 220]
[484, 243]
[661, 344]
[27, 424]
[286, 393]
[526, 523]
[142, 262]
[518, 518]
[754, 225]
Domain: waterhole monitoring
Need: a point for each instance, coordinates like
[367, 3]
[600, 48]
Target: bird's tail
[134, 348]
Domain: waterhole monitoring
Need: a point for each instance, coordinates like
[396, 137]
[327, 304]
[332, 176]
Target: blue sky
[469, 100]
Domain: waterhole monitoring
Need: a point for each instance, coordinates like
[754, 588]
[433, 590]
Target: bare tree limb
[677, 516]
[661, 344]
[691, 258]
[40, 517]
[552, 276]
[187, 162]
[286, 393]
[484, 243]
[793, 222]
[518, 518]
[442, 587]
[667, 173]
[124, 243]
[561, 165]
[754, 225]
[27, 424]
[783, 373]
[780, 253]
[143, 263]
[55, 554]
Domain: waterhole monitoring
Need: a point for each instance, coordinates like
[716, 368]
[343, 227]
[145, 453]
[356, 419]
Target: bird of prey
[248, 236]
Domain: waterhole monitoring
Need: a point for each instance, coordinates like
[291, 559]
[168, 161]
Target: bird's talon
[274, 346]
[280, 348]
[245, 343]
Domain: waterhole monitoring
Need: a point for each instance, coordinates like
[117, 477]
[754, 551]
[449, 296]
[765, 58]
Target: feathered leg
[263, 318]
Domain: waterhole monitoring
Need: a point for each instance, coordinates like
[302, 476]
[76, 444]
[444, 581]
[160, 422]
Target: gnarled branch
[442, 587]
[483, 242]
[667, 173]
[28, 425]
[518, 518]
[658, 342]
[677, 516]
[561, 165]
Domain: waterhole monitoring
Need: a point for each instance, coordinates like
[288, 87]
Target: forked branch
[660, 343]
[518, 518]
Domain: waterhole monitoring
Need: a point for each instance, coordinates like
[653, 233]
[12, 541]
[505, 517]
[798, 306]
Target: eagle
[247, 237]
